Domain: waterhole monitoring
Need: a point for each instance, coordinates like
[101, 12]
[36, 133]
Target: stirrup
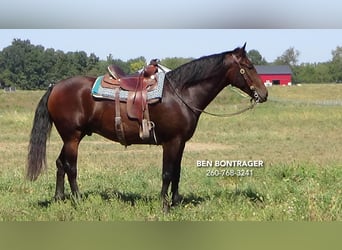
[145, 129]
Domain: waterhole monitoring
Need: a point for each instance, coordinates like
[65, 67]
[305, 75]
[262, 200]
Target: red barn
[275, 74]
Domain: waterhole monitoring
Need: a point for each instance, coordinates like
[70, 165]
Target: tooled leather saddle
[137, 85]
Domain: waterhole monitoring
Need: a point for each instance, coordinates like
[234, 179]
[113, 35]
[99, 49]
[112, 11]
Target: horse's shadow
[126, 197]
[130, 198]
[133, 198]
[253, 196]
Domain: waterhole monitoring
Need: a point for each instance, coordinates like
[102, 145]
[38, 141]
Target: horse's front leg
[172, 157]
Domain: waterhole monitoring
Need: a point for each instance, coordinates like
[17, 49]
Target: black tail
[36, 160]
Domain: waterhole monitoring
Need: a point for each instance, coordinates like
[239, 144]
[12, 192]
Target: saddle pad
[106, 93]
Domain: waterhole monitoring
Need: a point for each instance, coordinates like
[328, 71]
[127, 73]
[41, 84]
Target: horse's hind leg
[67, 164]
[60, 175]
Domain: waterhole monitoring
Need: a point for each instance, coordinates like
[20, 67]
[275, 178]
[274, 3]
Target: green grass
[299, 142]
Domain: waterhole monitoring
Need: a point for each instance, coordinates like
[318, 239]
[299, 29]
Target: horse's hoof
[166, 208]
[177, 200]
[59, 197]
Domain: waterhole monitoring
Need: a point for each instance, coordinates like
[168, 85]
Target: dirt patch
[189, 147]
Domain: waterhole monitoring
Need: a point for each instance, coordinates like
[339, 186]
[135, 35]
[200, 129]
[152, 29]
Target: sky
[314, 45]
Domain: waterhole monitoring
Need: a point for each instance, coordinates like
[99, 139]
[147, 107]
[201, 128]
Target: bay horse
[187, 91]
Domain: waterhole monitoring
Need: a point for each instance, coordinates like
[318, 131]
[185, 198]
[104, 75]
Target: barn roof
[273, 69]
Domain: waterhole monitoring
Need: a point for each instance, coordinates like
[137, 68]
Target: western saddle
[137, 85]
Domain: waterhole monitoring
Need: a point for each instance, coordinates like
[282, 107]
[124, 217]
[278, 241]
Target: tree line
[27, 66]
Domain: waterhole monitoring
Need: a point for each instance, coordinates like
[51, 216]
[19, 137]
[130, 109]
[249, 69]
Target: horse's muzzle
[258, 95]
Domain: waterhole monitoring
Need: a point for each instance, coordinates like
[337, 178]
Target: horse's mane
[196, 70]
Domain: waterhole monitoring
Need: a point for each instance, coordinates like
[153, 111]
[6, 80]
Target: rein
[194, 109]
[251, 106]
[245, 75]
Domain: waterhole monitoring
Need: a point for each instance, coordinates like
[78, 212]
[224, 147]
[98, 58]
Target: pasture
[297, 135]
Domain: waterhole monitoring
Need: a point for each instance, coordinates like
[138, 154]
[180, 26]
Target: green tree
[61, 68]
[80, 61]
[29, 66]
[322, 74]
[336, 64]
[136, 64]
[92, 61]
[174, 62]
[48, 63]
[313, 73]
[14, 63]
[6, 78]
[256, 58]
[123, 65]
[290, 57]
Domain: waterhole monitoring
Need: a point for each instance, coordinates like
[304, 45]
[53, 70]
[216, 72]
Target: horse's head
[243, 75]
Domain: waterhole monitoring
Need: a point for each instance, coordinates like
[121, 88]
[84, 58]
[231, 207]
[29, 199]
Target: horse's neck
[201, 94]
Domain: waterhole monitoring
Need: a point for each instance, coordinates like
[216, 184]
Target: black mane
[196, 70]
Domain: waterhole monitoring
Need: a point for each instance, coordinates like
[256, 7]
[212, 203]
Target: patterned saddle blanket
[101, 92]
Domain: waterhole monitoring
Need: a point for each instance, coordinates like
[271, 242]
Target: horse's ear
[244, 47]
[238, 53]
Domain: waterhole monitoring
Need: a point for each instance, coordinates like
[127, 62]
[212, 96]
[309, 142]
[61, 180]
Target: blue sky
[315, 45]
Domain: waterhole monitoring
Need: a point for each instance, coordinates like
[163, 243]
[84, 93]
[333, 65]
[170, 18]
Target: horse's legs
[67, 164]
[172, 157]
[59, 193]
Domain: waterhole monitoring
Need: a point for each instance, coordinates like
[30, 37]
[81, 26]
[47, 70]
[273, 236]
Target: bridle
[248, 80]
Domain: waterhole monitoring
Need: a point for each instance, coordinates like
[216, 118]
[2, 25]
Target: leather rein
[253, 101]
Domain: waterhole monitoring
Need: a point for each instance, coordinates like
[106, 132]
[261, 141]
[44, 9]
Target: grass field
[297, 134]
